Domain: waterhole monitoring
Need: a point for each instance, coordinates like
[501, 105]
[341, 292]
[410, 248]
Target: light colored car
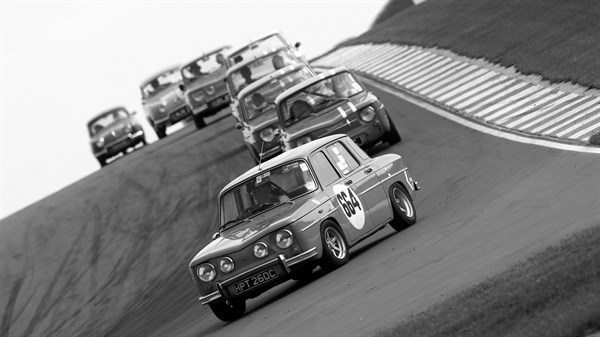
[269, 41]
[306, 207]
[258, 118]
[333, 102]
[203, 86]
[162, 100]
[114, 131]
[252, 69]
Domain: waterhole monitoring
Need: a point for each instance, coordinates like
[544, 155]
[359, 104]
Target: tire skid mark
[10, 306]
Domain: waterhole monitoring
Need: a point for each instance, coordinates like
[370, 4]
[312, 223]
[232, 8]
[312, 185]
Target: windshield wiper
[234, 222]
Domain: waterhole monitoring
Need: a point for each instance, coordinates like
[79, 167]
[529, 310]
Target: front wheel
[393, 136]
[199, 121]
[403, 207]
[228, 312]
[335, 247]
[161, 131]
[102, 161]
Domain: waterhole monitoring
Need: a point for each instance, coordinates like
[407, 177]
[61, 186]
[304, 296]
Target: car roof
[150, 78]
[276, 74]
[107, 111]
[266, 52]
[204, 55]
[299, 152]
[260, 37]
[309, 82]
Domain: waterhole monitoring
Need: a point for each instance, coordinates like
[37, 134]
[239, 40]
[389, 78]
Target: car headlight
[100, 142]
[367, 114]
[210, 90]
[226, 264]
[206, 272]
[267, 134]
[284, 238]
[260, 250]
[198, 96]
[303, 140]
[164, 102]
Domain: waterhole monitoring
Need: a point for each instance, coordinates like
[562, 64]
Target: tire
[228, 312]
[393, 136]
[199, 121]
[303, 272]
[102, 162]
[405, 214]
[161, 131]
[335, 247]
[254, 155]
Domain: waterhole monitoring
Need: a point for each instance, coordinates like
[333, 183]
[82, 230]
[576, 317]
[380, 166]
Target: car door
[357, 192]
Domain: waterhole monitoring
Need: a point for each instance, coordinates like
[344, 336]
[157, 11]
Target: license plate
[254, 281]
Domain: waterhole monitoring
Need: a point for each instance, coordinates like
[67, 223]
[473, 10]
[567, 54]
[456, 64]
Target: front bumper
[280, 262]
[121, 144]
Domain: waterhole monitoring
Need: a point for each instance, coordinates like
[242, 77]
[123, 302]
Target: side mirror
[221, 59]
[216, 235]
[239, 126]
[182, 87]
[133, 113]
[298, 44]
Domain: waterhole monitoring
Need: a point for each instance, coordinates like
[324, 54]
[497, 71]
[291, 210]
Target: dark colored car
[333, 102]
[162, 100]
[241, 75]
[114, 131]
[256, 106]
[203, 86]
[306, 207]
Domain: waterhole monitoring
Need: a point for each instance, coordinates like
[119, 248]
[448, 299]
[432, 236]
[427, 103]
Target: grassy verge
[554, 293]
[557, 39]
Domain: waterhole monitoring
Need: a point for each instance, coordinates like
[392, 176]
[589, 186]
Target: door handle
[368, 170]
[348, 182]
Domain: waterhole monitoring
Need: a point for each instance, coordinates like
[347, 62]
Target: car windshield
[310, 100]
[259, 68]
[266, 190]
[256, 48]
[262, 99]
[160, 82]
[201, 67]
[103, 121]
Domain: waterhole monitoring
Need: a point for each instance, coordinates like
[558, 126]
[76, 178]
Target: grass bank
[554, 293]
[557, 39]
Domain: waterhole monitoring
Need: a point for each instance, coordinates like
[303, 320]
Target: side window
[342, 158]
[357, 150]
[323, 168]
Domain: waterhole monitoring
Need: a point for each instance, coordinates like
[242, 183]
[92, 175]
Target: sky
[64, 61]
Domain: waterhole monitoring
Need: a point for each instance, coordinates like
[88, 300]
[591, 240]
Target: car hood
[265, 120]
[112, 128]
[217, 76]
[331, 117]
[246, 233]
[168, 95]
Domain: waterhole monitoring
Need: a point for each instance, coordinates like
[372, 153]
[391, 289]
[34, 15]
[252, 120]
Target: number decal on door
[351, 205]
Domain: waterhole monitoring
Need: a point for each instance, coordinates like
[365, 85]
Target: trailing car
[270, 41]
[162, 100]
[306, 207]
[241, 75]
[114, 131]
[258, 118]
[333, 102]
[203, 86]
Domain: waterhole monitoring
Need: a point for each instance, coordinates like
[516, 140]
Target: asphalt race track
[108, 255]
[485, 203]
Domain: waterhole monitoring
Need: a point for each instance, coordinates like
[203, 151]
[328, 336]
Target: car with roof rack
[203, 86]
[258, 119]
[333, 102]
[162, 100]
[307, 207]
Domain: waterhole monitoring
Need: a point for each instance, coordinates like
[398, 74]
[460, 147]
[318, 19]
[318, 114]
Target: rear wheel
[228, 312]
[335, 247]
[404, 209]
[199, 121]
